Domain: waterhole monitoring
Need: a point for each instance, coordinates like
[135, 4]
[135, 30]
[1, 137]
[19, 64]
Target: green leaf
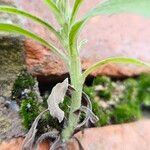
[113, 60]
[16, 11]
[75, 9]
[73, 35]
[107, 7]
[75, 29]
[16, 29]
[52, 5]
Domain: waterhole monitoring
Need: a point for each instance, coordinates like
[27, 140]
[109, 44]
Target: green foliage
[29, 111]
[75, 9]
[105, 81]
[96, 94]
[103, 115]
[104, 92]
[27, 15]
[24, 81]
[126, 112]
[113, 60]
[65, 106]
[90, 91]
[131, 90]
[47, 123]
[68, 34]
[144, 89]
[30, 106]
[127, 109]
[118, 6]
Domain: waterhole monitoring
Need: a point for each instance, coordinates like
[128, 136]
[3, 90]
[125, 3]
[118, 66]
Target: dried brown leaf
[56, 97]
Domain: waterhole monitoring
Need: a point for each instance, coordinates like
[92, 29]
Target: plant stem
[76, 82]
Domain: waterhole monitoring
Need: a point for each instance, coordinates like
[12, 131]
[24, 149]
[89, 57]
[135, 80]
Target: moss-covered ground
[113, 101]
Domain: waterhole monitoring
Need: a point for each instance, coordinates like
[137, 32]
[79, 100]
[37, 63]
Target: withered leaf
[56, 97]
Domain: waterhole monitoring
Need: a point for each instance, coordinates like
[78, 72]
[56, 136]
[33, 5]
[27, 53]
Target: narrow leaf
[113, 60]
[16, 29]
[16, 11]
[56, 97]
[56, 11]
[75, 9]
[74, 33]
[108, 7]
[52, 6]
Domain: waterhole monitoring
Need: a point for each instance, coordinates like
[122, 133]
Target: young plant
[70, 29]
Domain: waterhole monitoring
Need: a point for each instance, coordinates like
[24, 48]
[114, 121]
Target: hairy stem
[76, 82]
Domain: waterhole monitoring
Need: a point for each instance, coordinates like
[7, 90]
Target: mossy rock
[11, 54]
[4, 124]
[30, 107]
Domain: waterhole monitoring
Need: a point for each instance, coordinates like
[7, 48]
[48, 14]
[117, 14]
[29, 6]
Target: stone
[10, 122]
[135, 136]
[131, 136]
[11, 54]
[11, 64]
[108, 36]
[16, 144]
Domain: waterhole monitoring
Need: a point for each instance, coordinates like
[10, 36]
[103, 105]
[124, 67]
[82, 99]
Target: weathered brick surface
[132, 136]
[116, 35]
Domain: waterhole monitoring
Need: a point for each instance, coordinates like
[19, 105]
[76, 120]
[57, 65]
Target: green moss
[65, 106]
[126, 113]
[125, 109]
[90, 91]
[24, 81]
[47, 122]
[131, 90]
[103, 115]
[102, 80]
[106, 94]
[144, 89]
[29, 111]
[106, 83]
[134, 92]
